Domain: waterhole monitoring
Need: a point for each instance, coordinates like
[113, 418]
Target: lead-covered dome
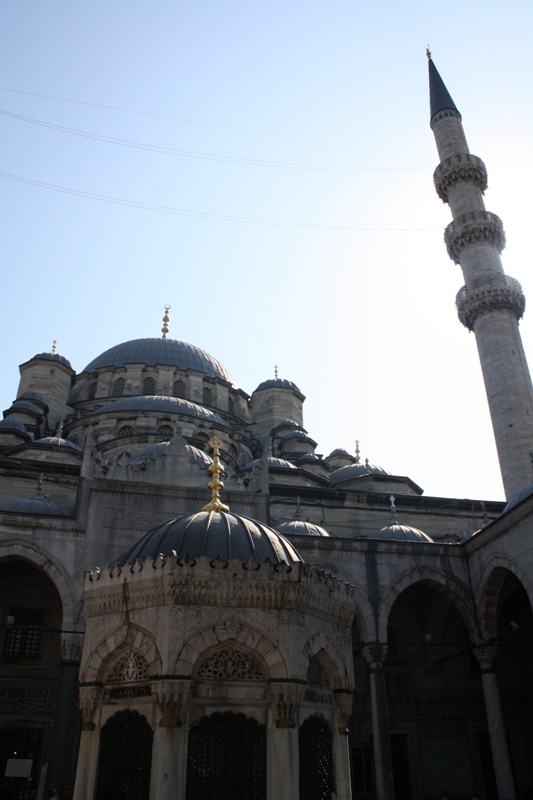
[213, 534]
[33, 505]
[352, 471]
[401, 533]
[162, 404]
[301, 528]
[161, 352]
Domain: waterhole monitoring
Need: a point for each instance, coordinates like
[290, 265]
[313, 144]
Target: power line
[198, 214]
[197, 155]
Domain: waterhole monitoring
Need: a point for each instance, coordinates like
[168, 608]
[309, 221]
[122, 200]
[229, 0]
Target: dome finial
[393, 510]
[54, 347]
[357, 452]
[166, 320]
[59, 432]
[276, 372]
[39, 492]
[216, 469]
[428, 52]
[298, 512]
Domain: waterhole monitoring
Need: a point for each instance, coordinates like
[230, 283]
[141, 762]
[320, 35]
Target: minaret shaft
[491, 303]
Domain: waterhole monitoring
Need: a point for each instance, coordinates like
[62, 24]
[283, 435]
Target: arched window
[207, 396]
[125, 757]
[316, 760]
[126, 430]
[203, 438]
[149, 386]
[118, 387]
[179, 389]
[92, 390]
[166, 430]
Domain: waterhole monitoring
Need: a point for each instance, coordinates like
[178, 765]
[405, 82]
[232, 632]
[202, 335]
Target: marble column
[375, 655]
[90, 703]
[169, 753]
[64, 719]
[343, 699]
[486, 657]
[283, 760]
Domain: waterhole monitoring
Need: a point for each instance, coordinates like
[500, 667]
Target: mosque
[196, 605]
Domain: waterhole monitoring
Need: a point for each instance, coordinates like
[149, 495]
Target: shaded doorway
[316, 760]
[125, 758]
[20, 744]
[226, 759]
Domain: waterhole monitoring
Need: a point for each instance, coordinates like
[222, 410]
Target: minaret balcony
[476, 227]
[490, 293]
[456, 169]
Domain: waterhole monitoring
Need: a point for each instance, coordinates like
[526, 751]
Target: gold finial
[166, 320]
[276, 372]
[54, 346]
[357, 452]
[428, 52]
[216, 469]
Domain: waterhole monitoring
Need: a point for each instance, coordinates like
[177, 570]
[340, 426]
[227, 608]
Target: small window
[166, 430]
[179, 389]
[118, 387]
[126, 430]
[203, 438]
[149, 386]
[92, 391]
[24, 634]
[207, 396]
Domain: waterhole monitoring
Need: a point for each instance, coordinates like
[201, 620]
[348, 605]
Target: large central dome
[161, 352]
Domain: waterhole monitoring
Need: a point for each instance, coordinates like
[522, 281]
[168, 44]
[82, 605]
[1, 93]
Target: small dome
[301, 528]
[25, 405]
[33, 505]
[351, 471]
[400, 533]
[213, 534]
[161, 353]
[32, 396]
[160, 449]
[279, 463]
[298, 435]
[517, 498]
[159, 404]
[58, 441]
[289, 423]
[52, 357]
[339, 451]
[277, 383]
[11, 425]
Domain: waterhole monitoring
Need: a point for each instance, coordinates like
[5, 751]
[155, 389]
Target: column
[375, 654]
[341, 752]
[498, 740]
[169, 754]
[90, 704]
[64, 719]
[283, 763]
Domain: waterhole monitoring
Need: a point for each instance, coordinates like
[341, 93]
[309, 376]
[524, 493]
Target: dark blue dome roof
[277, 383]
[53, 357]
[272, 462]
[301, 528]
[33, 505]
[161, 352]
[401, 533]
[29, 395]
[58, 441]
[351, 471]
[160, 404]
[160, 449]
[25, 405]
[213, 534]
[339, 451]
[14, 425]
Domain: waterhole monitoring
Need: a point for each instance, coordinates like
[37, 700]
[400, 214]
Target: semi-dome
[301, 528]
[160, 449]
[58, 441]
[279, 463]
[33, 505]
[277, 383]
[164, 353]
[400, 533]
[160, 404]
[213, 534]
[352, 471]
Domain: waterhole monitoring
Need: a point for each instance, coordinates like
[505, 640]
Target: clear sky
[268, 173]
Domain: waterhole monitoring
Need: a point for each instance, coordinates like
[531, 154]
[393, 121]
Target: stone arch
[115, 644]
[453, 589]
[45, 562]
[488, 589]
[322, 645]
[225, 633]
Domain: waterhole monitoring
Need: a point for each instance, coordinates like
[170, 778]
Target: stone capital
[486, 657]
[172, 698]
[343, 699]
[90, 701]
[286, 699]
[375, 654]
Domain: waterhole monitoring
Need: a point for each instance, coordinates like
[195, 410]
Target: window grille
[24, 634]
[149, 386]
[207, 396]
[118, 387]
[316, 760]
[92, 391]
[203, 438]
[232, 664]
[126, 430]
[179, 389]
[362, 768]
[125, 757]
[128, 669]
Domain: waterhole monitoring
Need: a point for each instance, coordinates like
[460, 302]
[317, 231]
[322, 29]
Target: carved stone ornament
[476, 227]
[232, 664]
[344, 707]
[493, 292]
[486, 656]
[131, 668]
[459, 169]
[172, 698]
[286, 699]
[90, 700]
[375, 654]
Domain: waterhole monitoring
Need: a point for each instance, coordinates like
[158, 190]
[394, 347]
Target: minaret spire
[491, 303]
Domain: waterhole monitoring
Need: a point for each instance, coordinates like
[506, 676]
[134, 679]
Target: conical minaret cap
[439, 96]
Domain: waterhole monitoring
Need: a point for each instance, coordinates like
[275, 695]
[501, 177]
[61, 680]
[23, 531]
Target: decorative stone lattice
[230, 664]
[131, 668]
[317, 674]
[459, 169]
[491, 293]
[476, 227]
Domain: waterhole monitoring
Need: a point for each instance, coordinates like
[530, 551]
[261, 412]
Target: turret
[51, 376]
[491, 303]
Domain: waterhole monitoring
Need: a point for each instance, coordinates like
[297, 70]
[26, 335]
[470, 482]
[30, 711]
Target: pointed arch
[488, 588]
[115, 644]
[323, 645]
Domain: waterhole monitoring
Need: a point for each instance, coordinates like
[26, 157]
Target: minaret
[490, 303]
